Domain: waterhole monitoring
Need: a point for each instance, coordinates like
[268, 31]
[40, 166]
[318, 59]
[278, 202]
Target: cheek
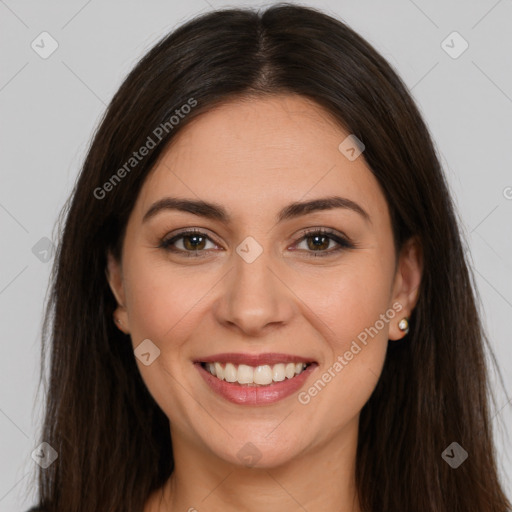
[349, 303]
[341, 387]
[161, 301]
[162, 305]
[348, 299]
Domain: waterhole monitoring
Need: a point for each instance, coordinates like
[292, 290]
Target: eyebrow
[217, 212]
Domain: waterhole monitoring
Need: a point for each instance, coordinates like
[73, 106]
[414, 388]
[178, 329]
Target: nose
[255, 298]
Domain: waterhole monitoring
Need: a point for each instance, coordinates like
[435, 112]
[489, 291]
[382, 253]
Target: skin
[254, 157]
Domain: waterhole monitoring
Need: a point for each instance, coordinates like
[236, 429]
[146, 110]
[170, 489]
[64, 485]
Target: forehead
[258, 152]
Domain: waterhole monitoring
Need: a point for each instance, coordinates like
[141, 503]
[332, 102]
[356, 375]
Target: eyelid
[324, 231]
[343, 241]
[166, 241]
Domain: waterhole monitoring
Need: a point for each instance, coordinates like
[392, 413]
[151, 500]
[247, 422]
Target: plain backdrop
[50, 107]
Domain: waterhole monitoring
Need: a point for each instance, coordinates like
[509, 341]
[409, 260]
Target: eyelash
[343, 242]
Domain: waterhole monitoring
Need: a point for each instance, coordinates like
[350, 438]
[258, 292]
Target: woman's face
[259, 287]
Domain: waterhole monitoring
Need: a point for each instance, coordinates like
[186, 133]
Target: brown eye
[194, 242]
[318, 242]
[187, 242]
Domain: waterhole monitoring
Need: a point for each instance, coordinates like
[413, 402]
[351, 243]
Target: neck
[321, 478]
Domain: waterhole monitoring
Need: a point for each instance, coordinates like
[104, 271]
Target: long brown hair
[112, 439]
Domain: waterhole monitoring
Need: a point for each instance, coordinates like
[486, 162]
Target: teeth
[230, 373]
[278, 374]
[260, 375]
[289, 370]
[263, 375]
[219, 371]
[245, 374]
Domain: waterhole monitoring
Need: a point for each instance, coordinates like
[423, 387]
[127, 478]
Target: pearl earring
[403, 325]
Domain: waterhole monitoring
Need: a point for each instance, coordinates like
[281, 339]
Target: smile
[255, 379]
[254, 376]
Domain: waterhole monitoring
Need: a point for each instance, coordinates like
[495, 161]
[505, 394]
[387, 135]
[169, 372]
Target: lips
[255, 379]
[254, 359]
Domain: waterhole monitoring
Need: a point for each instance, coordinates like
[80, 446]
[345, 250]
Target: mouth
[255, 376]
[262, 379]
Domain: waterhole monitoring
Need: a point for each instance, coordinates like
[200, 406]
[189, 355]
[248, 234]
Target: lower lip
[255, 395]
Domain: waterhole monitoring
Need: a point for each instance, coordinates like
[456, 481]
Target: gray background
[50, 107]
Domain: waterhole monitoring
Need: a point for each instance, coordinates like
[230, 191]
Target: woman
[261, 299]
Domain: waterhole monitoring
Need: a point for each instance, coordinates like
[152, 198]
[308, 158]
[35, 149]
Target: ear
[114, 273]
[406, 284]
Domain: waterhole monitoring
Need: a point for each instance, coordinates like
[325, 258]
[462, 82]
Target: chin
[256, 451]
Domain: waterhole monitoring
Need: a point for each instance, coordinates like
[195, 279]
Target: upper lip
[254, 359]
